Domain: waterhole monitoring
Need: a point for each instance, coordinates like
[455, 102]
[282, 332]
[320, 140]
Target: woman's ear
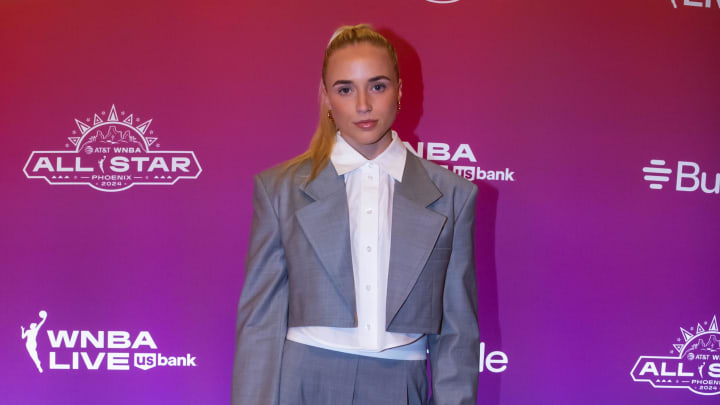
[399, 90]
[324, 95]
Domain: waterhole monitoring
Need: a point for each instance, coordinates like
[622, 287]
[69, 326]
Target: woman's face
[362, 92]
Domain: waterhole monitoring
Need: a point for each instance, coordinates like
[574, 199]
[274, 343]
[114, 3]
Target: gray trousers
[315, 376]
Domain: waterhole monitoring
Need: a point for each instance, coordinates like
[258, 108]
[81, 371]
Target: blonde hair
[322, 142]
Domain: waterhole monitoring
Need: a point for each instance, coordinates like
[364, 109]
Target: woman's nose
[363, 102]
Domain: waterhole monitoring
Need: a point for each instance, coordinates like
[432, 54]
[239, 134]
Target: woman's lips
[367, 124]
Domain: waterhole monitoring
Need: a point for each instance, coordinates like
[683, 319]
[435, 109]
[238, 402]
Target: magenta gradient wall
[584, 270]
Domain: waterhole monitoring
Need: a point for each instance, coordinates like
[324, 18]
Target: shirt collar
[392, 160]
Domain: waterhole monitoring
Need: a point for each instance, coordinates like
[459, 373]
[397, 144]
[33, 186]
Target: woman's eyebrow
[372, 79]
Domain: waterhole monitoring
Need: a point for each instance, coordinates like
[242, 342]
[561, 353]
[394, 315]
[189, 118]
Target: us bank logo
[112, 152]
[460, 160]
[696, 366]
[686, 176]
[95, 350]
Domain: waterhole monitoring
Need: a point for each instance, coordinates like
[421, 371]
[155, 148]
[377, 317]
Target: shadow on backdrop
[406, 125]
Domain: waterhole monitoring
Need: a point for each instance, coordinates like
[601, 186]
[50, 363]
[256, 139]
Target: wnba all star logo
[694, 3]
[695, 367]
[112, 152]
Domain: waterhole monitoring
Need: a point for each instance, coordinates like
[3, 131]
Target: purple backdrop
[558, 110]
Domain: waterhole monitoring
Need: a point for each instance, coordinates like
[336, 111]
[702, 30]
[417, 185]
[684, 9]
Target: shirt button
[370, 165]
[368, 287]
[369, 210]
[370, 178]
[369, 249]
[367, 326]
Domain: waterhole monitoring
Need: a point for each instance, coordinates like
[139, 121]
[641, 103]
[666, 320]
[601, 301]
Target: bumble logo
[689, 177]
[95, 350]
[657, 174]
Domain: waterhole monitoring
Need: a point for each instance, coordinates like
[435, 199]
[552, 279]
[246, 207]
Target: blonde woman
[361, 259]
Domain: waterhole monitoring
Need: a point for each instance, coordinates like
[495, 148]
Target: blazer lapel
[415, 230]
[326, 225]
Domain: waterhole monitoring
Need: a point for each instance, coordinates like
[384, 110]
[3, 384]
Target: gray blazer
[299, 273]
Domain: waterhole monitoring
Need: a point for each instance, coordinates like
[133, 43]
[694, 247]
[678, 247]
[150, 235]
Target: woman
[361, 257]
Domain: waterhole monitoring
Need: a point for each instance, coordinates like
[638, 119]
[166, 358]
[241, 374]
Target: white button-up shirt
[369, 185]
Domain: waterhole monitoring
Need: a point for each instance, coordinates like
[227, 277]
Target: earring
[330, 117]
[398, 106]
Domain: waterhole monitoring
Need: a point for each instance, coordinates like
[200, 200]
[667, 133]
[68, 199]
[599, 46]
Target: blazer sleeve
[454, 353]
[262, 310]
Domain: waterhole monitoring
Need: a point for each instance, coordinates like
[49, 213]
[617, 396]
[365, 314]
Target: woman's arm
[455, 352]
[262, 310]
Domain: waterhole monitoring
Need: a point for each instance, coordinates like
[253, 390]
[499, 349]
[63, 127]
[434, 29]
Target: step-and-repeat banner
[131, 131]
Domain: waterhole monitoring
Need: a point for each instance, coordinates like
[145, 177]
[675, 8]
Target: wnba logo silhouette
[30, 337]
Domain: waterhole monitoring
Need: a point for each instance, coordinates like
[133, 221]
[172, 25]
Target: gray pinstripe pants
[315, 376]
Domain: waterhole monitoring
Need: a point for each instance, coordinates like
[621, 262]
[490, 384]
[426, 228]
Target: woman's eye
[344, 90]
[379, 87]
